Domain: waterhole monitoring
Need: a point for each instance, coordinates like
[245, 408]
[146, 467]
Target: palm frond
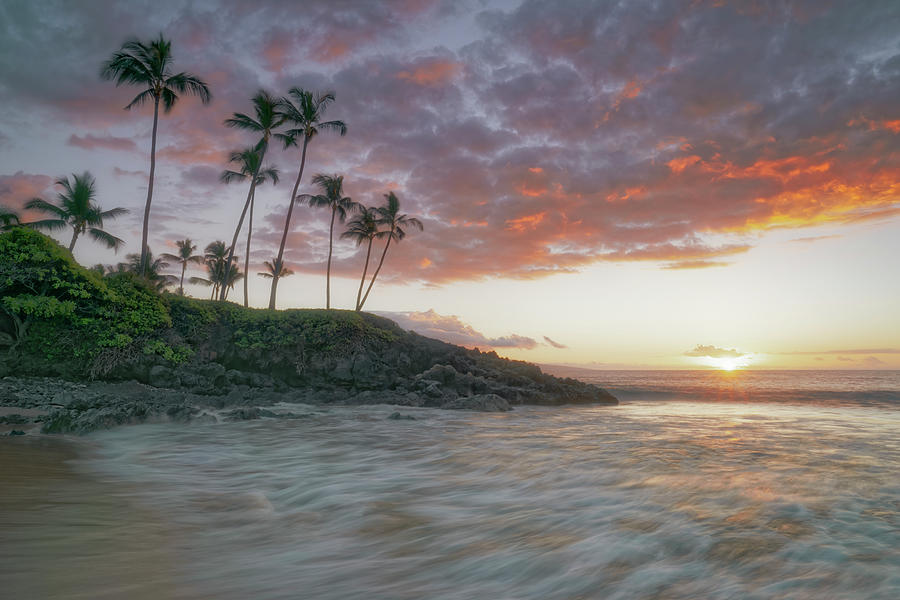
[48, 224]
[185, 83]
[169, 98]
[110, 240]
[338, 126]
[141, 99]
[114, 212]
[231, 176]
[42, 205]
[242, 121]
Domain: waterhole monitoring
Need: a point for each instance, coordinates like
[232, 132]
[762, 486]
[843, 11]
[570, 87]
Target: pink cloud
[108, 142]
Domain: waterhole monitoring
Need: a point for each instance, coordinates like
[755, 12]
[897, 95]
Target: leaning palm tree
[150, 66]
[76, 208]
[332, 197]
[249, 163]
[153, 269]
[267, 119]
[185, 255]
[362, 228]
[275, 269]
[305, 118]
[8, 218]
[389, 217]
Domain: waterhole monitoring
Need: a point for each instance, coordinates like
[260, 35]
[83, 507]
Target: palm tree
[332, 196]
[389, 216]
[248, 161]
[150, 66]
[362, 228]
[8, 218]
[75, 207]
[306, 118]
[153, 269]
[275, 269]
[267, 120]
[215, 255]
[185, 255]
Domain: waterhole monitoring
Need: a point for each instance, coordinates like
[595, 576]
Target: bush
[62, 315]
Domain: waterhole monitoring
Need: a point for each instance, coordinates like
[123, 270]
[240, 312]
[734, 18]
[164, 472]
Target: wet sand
[67, 534]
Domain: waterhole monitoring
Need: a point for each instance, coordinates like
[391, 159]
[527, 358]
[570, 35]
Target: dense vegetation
[59, 318]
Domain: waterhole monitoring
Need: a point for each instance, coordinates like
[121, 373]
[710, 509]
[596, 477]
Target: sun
[729, 363]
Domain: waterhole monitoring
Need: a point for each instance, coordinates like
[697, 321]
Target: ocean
[700, 484]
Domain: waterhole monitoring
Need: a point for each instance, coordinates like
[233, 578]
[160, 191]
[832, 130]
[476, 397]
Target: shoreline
[50, 405]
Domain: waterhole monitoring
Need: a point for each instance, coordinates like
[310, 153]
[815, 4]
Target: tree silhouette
[362, 228]
[264, 123]
[304, 111]
[150, 66]
[248, 162]
[332, 197]
[185, 255]
[76, 208]
[389, 216]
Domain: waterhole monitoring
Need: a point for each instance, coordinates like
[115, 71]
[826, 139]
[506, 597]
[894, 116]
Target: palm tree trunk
[380, 262]
[181, 285]
[247, 258]
[74, 238]
[287, 225]
[363, 280]
[328, 270]
[144, 247]
[241, 220]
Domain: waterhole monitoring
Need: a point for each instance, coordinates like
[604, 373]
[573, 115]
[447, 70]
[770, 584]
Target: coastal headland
[81, 351]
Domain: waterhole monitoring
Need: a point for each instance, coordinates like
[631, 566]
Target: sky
[679, 184]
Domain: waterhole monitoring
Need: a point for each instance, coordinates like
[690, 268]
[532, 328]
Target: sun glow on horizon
[728, 363]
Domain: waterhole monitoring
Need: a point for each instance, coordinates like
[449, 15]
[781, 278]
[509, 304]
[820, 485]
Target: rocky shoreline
[210, 393]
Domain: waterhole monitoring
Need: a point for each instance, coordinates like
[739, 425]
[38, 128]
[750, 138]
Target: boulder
[482, 402]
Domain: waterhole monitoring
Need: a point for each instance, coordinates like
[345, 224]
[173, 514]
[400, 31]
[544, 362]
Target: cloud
[713, 352]
[538, 138]
[452, 329]
[19, 188]
[872, 362]
[553, 343]
[816, 238]
[108, 142]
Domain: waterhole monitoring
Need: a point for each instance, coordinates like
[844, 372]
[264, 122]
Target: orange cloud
[677, 165]
[526, 223]
[434, 73]
[874, 125]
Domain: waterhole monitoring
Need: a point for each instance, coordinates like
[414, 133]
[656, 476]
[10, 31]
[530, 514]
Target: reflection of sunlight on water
[645, 500]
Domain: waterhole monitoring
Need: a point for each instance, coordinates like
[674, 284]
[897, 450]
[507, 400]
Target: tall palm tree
[275, 269]
[248, 161]
[153, 269]
[8, 218]
[76, 207]
[304, 111]
[149, 65]
[389, 216]
[266, 120]
[332, 197]
[362, 228]
[185, 255]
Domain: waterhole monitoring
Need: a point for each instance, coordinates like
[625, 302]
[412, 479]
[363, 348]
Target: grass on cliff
[58, 318]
